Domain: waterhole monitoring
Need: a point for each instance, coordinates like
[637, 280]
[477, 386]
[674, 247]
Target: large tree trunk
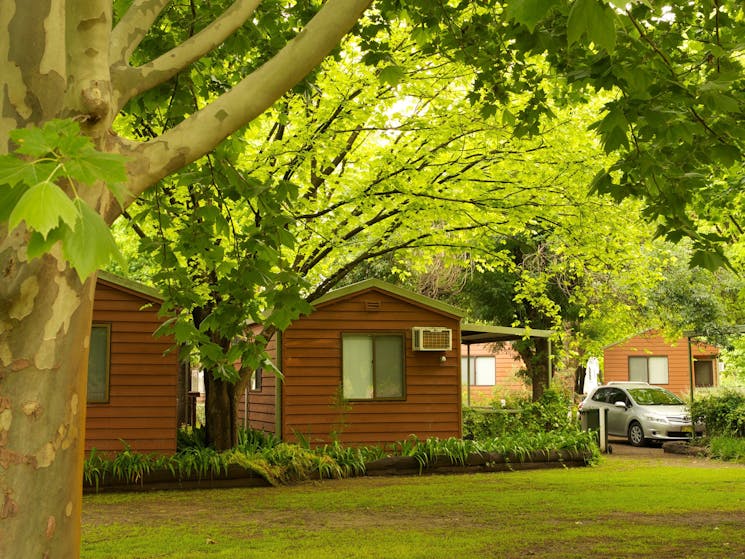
[535, 355]
[221, 412]
[45, 322]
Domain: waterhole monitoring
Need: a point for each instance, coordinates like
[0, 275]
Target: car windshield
[654, 397]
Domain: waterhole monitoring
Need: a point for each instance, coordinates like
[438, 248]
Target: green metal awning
[486, 333]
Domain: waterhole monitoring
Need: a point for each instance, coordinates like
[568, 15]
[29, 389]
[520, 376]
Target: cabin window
[703, 370]
[648, 369]
[256, 380]
[483, 370]
[373, 366]
[99, 363]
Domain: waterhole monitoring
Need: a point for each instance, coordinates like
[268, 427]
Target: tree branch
[130, 82]
[132, 28]
[202, 131]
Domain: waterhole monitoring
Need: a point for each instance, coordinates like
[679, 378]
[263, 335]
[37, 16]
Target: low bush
[550, 413]
[731, 449]
[723, 413]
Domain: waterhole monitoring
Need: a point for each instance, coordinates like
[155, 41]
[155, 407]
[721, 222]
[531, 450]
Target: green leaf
[594, 19]
[43, 207]
[14, 170]
[391, 75]
[529, 12]
[613, 129]
[119, 190]
[726, 154]
[38, 245]
[720, 102]
[38, 142]
[602, 183]
[9, 196]
[707, 259]
[90, 245]
[185, 332]
[91, 166]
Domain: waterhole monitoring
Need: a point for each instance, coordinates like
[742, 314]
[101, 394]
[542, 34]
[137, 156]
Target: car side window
[616, 395]
[601, 395]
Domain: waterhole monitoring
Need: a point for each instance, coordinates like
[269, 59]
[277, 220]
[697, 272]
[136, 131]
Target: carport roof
[486, 333]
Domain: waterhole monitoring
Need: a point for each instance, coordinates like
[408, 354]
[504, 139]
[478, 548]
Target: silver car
[641, 412]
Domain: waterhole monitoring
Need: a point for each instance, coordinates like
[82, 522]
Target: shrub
[550, 413]
[723, 413]
[252, 440]
[190, 437]
[727, 448]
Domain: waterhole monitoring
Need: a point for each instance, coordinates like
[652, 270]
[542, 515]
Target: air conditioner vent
[431, 338]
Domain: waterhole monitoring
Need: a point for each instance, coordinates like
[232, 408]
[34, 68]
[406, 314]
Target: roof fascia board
[131, 285]
[391, 289]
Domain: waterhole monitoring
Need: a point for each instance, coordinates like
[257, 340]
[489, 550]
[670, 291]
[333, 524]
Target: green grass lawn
[621, 508]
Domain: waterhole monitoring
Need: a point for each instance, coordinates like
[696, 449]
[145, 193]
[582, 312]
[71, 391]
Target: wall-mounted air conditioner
[431, 338]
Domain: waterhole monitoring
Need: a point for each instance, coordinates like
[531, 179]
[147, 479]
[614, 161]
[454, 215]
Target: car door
[617, 415]
[601, 400]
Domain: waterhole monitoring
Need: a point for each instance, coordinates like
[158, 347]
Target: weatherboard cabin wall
[141, 404]
[262, 399]
[312, 407]
[653, 344]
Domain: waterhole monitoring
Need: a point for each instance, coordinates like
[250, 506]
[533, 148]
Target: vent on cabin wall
[373, 305]
[431, 338]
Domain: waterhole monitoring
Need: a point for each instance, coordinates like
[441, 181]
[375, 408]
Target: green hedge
[723, 413]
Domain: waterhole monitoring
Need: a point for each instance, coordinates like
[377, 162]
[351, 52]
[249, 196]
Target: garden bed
[237, 476]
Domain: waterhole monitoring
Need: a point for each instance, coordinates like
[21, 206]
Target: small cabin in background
[493, 374]
[649, 357]
[372, 364]
[132, 376]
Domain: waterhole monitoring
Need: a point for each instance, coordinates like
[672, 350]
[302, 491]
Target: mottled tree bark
[45, 318]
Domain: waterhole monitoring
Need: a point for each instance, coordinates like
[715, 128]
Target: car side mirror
[620, 404]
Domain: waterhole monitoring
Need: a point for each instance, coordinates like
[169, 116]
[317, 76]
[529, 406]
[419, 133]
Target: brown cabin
[132, 376]
[493, 371]
[372, 364]
[651, 358]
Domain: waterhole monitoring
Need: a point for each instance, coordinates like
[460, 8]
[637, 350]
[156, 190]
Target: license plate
[687, 428]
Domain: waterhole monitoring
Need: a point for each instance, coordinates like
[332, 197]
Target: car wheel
[636, 434]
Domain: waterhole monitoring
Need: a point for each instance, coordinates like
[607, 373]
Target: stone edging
[684, 447]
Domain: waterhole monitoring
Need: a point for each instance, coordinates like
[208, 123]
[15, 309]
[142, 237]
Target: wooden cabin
[651, 358]
[132, 377]
[493, 371]
[372, 364]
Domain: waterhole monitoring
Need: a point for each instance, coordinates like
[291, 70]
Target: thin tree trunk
[45, 322]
